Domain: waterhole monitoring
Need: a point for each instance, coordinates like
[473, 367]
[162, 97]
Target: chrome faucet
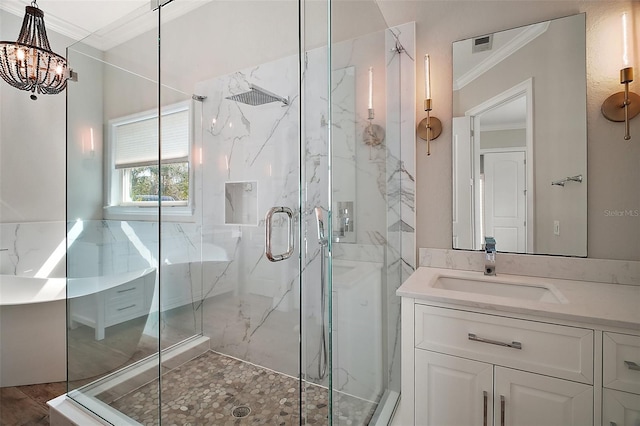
[489, 256]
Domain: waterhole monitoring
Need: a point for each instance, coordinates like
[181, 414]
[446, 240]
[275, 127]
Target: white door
[505, 202]
[452, 391]
[462, 189]
[527, 399]
[620, 408]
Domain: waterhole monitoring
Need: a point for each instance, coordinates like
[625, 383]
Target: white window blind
[137, 141]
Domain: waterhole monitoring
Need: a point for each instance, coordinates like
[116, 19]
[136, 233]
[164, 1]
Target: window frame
[115, 207]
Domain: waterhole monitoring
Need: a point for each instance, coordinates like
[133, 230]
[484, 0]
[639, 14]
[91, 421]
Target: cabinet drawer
[554, 350]
[123, 292]
[621, 362]
[124, 310]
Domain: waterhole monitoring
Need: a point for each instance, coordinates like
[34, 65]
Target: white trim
[505, 149]
[524, 88]
[522, 39]
[110, 34]
[499, 127]
[171, 211]
[53, 23]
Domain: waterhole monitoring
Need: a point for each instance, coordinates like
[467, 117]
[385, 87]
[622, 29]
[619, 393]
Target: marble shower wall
[401, 221]
[384, 186]
[251, 163]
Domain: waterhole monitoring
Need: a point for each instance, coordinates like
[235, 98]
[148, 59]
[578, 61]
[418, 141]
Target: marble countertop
[614, 305]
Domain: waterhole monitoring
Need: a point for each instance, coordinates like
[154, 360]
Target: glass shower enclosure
[237, 220]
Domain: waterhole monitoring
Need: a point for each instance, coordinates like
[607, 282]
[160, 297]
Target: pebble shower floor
[213, 389]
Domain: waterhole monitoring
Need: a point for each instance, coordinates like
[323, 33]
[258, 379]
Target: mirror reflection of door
[504, 198]
[545, 62]
[501, 144]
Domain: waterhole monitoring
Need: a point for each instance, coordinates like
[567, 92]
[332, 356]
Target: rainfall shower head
[258, 96]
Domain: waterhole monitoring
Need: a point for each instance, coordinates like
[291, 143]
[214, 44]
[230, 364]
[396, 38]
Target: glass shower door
[242, 295]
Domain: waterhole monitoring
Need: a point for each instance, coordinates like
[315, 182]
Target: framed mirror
[520, 139]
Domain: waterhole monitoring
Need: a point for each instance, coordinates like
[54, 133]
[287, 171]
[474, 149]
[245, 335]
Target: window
[137, 180]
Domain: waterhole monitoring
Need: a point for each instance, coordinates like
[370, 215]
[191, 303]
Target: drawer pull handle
[632, 365]
[502, 409]
[486, 399]
[126, 290]
[126, 307]
[613, 424]
[515, 345]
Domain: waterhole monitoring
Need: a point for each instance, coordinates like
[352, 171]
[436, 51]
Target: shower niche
[241, 203]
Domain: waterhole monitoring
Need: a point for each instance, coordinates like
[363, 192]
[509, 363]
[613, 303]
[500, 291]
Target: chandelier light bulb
[29, 63]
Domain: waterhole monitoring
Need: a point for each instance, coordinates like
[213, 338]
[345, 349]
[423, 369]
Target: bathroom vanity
[516, 350]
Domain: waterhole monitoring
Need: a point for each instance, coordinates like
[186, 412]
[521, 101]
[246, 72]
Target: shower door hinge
[71, 75]
[156, 4]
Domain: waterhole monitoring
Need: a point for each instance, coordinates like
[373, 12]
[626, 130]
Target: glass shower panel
[245, 96]
[184, 257]
[112, 254]
[372, 103]
[316, 226]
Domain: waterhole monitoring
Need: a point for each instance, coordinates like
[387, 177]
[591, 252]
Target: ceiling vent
[480, 44]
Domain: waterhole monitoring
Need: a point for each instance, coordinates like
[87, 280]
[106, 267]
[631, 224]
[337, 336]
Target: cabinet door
[452, 391]
[527, 399]
[620, 408]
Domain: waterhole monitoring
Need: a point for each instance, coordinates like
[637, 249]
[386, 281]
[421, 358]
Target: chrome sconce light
[373, 134]
[430, 127]
[623, 106]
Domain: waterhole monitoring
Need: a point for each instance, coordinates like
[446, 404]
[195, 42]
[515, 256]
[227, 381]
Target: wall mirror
[520, 139]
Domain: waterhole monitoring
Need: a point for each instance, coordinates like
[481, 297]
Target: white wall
[612, 162]
[612, 170]
[32, 145]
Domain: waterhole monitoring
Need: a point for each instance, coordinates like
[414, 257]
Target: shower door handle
[268, 223]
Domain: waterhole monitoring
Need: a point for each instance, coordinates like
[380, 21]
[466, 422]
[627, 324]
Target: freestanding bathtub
[32, 330]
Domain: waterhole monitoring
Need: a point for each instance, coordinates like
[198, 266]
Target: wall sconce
[88, 144]
[373, 134]
[623, 106]
[430, 127]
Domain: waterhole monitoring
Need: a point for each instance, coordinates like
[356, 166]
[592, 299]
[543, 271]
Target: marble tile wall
[255, 312]
[30, 246]
[571, 268]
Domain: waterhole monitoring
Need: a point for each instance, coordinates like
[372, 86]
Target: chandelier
[28, 63]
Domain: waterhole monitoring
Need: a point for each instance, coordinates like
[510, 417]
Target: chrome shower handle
[290, 243]
[320, 223]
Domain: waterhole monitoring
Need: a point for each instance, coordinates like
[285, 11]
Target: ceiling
[77, 19]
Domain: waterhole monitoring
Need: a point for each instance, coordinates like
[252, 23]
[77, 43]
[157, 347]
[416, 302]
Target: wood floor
[27, 405]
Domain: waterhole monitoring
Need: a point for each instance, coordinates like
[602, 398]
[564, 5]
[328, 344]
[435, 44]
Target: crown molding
[112, 34]
[53, 23]
[522, 39]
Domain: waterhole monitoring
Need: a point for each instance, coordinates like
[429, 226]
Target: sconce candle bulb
[373, 134]
[625, 105]
[430, 127]
[626, 51]
[427, 79]
[370, 87]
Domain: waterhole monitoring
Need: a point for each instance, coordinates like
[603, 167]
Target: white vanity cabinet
[497, 351]
[478, 369]
[457, 391]
[621, 379]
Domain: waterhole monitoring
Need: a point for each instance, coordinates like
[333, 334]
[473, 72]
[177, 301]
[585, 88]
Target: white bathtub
[32, 330]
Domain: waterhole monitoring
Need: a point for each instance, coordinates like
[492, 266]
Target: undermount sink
[492, 286]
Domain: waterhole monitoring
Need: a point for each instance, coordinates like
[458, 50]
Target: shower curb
[72, 408]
